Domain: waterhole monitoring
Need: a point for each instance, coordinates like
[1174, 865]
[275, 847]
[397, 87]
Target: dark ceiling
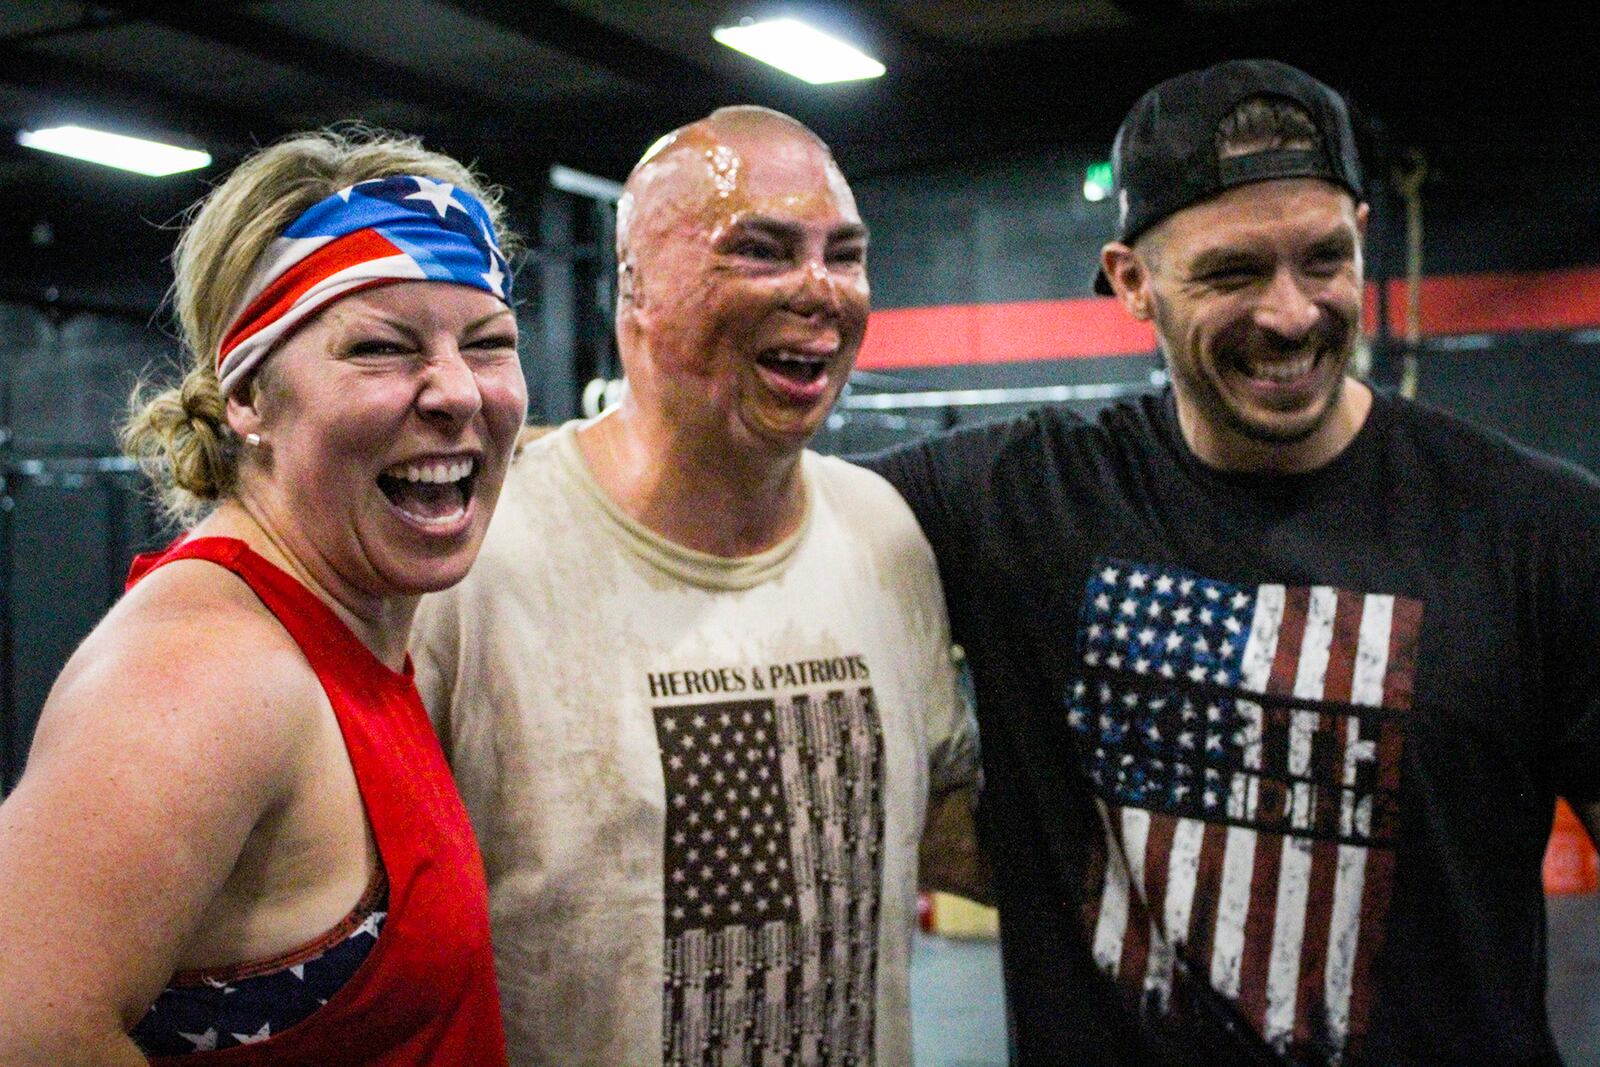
[520, 84]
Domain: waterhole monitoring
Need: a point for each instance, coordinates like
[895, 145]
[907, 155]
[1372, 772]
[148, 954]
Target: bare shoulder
[189, 671]
[176, 728]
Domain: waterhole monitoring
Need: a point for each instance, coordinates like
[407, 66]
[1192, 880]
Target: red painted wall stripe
[1027, 331]
[1498, 303]
[1035, 330]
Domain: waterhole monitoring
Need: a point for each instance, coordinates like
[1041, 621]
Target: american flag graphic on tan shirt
[1246, 746]
[773, 873]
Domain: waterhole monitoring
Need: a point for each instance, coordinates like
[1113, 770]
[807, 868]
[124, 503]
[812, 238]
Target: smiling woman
[237, 834]
[384, 424]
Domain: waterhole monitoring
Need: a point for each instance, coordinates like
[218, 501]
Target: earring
[253, 440]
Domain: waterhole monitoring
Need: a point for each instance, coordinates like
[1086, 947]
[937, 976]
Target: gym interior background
[968, 159]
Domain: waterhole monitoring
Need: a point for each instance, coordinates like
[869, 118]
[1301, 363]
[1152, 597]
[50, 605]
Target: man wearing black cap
[1278, 678]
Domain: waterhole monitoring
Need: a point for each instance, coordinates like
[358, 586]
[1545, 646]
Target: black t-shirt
[1270, 760]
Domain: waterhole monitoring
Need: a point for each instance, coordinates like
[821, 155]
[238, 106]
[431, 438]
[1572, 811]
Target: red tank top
[426, 993]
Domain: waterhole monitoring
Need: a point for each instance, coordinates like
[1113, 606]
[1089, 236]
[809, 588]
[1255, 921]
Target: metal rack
[912, 399]
[115, 476]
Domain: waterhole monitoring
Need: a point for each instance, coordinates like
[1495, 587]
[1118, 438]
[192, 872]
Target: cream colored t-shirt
[699, 783]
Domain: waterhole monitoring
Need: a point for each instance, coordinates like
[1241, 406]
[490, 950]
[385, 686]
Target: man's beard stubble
[1333, 338]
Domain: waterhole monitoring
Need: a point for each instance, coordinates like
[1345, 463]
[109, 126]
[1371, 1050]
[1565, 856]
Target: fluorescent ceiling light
[115, 150]
[798, 49]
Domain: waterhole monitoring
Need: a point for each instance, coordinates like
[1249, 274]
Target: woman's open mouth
[431, 492]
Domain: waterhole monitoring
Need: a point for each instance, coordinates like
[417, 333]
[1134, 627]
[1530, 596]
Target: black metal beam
[557, 372]
[1074, 90]
[89, 20]
[9, 745]
[511, 144]
[593, 43]
[358, 72]
[681, 89]
[1148, 14]
[138, 104]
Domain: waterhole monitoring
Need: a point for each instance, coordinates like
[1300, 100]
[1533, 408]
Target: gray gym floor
[958, 1020]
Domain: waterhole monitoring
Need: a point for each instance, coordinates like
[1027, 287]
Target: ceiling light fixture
[115, 150]
[801, 50]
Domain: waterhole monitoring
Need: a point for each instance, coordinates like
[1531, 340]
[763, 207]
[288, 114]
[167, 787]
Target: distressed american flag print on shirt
[1246, 744]
[774, 861]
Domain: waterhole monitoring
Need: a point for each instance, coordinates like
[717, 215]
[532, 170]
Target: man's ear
[1129, 276]
[630, 294]
[627, 275]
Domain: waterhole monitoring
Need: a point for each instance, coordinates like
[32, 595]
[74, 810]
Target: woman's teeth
[432, 493]
[432, 473]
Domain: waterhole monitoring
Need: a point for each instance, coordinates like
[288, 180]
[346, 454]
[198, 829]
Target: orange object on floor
[1570, 864]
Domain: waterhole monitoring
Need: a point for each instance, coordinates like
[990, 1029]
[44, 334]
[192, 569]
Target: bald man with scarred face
[697, 692]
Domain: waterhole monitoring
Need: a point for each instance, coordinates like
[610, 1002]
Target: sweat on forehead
[723, 125]
[708, 160]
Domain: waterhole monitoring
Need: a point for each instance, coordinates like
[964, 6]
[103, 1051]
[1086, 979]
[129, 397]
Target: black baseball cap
[1165, 156]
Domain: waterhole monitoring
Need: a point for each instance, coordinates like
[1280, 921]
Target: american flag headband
[401, 228]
